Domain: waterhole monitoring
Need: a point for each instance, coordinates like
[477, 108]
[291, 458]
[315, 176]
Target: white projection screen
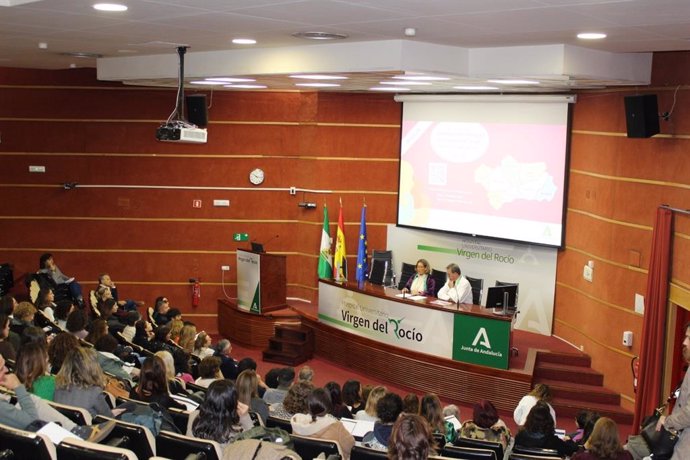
[492, 166]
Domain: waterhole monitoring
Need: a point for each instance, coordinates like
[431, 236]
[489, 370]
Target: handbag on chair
[661, 443]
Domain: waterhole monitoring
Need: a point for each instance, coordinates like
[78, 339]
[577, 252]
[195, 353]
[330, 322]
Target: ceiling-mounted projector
[176, 128]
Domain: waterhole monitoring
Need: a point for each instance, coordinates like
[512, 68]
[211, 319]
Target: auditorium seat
[140, 440]
[365, 453]
[78, 415]
[311, 447]
[406, 271]
[515, 456]
[93, 302]
[440, 440]
[174, 445]
[24, 444]
[477, 289]
[481, 444]
[275, 422]
[77, 449]
[468, 453]
[535, 452]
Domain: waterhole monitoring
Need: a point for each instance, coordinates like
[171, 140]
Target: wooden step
[581, 392]
[283, 357]
[291, 346]
[572, 359]
[570, 408]
[293, 332]
[568, 373]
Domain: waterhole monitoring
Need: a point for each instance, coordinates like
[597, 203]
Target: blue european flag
[362, 265]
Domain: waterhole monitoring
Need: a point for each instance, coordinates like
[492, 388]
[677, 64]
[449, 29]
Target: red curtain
[649, 393]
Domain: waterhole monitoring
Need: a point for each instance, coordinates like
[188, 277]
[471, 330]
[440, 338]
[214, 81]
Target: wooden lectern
[261, 281]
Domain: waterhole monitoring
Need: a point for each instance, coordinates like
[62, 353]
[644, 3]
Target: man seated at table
[457, 289]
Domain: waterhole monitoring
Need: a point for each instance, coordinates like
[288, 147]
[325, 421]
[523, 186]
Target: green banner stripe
[423, 247]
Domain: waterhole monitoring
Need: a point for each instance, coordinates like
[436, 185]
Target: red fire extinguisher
[635, 366]
[196, 292]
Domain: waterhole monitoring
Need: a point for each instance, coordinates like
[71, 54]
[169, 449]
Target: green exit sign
[241, 237]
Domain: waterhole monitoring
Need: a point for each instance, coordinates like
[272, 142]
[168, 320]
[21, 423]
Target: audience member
[319, 423]
[366, 389]
[81, 382]
[176, 326]
[352, 396]
[247, 385]
[209, 371]
[161, 309]
[388, 409]
[540, 392]
[62, 345]
[143, 335]
[97, 329]
[161, 340]
[285, 379]
[604, 443]
[411, 439]
[451, 409]
[76, 324]
[108, 309]
[272, 377]
[295, 401]
[62, 310]
[202, 346]
[187, 338]
[23, 317]
[539, 431]
[589, 427]
[47, 266]
[306, 373]
[153, 385]
[486, 425]
[45, 302]
[7, 305]
[580, 421]
[228, 365]
[221, 417]
[110, 363]
[129, 330]
[338, 410]
[33, 334]
[411, 403]
[10, 414]
[32, 370]
[175, 386]
[128, 305]
[430, 408]
[7, 349]
[369, 412]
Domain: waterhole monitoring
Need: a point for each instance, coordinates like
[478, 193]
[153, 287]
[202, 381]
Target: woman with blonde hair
[430, 408]
[81, 381]
[604, 443]
[421, 283]
[202, 345]
[369, 412]
[176, 386]
[540, 392]
[187, 338]
[247, 384]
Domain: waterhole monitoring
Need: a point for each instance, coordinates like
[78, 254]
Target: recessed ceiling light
[319, 36]
[110, 7]
[246, 86]
[82, 55]
[244, 41]
[410, 82]
[420, 78]
[318, 85]
[388, 88]
[508, 81]
[318, 77]
[206, 82]
[591, 35]
[476, 88]
[229, 79]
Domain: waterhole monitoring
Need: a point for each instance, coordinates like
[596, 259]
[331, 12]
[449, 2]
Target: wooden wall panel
[616, 185]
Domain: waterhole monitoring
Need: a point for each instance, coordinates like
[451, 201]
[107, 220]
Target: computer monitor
[257, 247]
[496, 295]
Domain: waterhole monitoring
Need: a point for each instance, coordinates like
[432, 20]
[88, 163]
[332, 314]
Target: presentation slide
[491, 167]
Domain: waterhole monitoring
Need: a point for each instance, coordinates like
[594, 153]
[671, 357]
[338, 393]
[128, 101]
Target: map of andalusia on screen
[494, 169]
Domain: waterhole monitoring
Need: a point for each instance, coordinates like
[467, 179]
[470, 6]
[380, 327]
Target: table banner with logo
[412, 327]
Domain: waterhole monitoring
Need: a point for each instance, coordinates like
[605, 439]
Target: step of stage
[587, 393]
[571, 359]
[568, 373]
[570, 408]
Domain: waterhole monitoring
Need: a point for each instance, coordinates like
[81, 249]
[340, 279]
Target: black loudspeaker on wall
[642, 115]
[196, 110]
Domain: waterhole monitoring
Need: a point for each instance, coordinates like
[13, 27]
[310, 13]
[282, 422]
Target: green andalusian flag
[325, 256]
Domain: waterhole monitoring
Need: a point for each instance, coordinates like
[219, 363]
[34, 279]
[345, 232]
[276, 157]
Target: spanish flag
[340, 259]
